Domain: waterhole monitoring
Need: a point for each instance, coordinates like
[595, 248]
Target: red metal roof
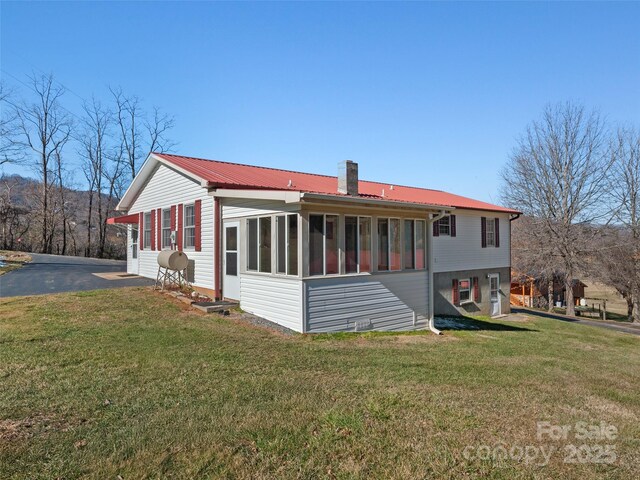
[234, 175]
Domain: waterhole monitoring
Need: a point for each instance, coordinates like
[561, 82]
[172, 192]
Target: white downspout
[432, 324]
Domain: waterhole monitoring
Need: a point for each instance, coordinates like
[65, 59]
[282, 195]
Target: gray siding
[388, 301]
[278, 299]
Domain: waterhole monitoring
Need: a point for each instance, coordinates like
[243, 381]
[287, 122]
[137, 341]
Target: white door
[133, 265]
[231, 261]
[494, 294]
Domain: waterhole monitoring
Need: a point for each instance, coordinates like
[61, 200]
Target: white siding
[388, 301]
[165, 188]
[242, 207]
[464, 251]
[278, 299]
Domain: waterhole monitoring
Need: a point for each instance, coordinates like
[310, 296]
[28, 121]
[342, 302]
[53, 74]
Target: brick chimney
[348, 178]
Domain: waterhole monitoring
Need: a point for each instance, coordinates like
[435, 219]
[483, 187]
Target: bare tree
[139, 133]
[625, 188]
[45, 128]
[557, 174]
[11, 151]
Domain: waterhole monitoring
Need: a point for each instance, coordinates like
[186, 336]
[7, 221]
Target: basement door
[494, 294]
[231, 261]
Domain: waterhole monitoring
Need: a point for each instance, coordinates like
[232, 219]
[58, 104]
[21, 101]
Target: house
[530, 291]
[317, 253]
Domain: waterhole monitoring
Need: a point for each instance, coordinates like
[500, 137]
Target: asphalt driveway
[54, 274]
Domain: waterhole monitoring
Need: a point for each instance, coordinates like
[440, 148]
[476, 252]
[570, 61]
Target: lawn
[129, 383]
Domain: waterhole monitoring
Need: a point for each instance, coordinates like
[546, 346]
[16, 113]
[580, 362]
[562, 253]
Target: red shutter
[198, 219]
[476, 289]
[173, 217]
[436, 228]
[497, 233]
[180, 220]
[153, 230]
[141, 231]
[454, 292]
[159, 226]
[483, 231]
[452, 220]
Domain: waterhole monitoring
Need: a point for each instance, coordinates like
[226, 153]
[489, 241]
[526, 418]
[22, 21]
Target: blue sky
[426, 94]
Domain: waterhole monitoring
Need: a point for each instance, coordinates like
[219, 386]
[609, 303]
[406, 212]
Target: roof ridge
[299, 172]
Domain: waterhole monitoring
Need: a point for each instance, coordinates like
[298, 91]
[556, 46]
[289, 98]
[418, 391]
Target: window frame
[490, 221]
[358, 243]
[146, 236]
[447, 232]
[286, 218]
[324, 216]
[389, 251]
[186, 227]
[469, 290]
[166, 215]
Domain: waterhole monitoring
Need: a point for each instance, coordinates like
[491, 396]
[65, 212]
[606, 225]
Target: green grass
[129, 382]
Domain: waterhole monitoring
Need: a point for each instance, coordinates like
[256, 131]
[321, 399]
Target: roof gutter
[431, 319]
[307, 196]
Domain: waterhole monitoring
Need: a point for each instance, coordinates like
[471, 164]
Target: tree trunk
[568, 296]
[550, 295]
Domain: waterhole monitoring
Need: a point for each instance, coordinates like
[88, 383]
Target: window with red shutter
[179, 227]
[198, 225]
[158, 229]
[454, 292]
[153, 230]
[141, 231]
[483, 231]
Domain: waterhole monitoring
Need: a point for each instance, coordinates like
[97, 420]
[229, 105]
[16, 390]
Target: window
[265, 244]
[420, 244]
[383, 244]
[231, 251]
[252, 244]
[166, 228]
[413, 253]
[357, 244]
[389, 244]
[464, 290]
[364, 244]
[323, 245]
[189, 226]
[491, 232]
[147, 230]
[409, 245]
[259, 244]
[445, 225]
[287, 244]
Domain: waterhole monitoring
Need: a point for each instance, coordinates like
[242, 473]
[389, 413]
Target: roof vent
[348, 178]
[290, 184]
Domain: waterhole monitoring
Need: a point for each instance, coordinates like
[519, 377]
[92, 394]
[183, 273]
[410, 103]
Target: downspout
[432, 323]
[217, 247]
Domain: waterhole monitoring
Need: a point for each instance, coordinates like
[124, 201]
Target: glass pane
[252, 242]
[265, 244]
[166, 218]
[316, 257]
[365, 244]
[409, 244]
[331, 249]
[394, 239]
[383, 244]
[351, 244]
[420, 244]
[232, 263]
[232, 238]
[293, 245]
[281, 231]
[444, 223]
